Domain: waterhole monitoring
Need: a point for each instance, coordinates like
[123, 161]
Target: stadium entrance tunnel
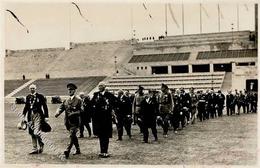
[180, 69]
[252, 85]
[200, 68]
[222, 67]
[160, 70]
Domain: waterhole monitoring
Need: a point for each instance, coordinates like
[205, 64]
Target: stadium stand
[83, 59]
[11, 85]
[196, 80]
[227, 54]
[201, 39]
[160, 57]
[57, 86]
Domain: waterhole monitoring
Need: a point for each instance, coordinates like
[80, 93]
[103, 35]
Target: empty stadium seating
[198, 39]
[57, 86]
[29, 62]
[227, 54]
[11, 85]
[196, 80]
[94, 58]
[159, 57]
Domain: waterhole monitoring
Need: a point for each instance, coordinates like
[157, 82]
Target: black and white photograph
[130, 83]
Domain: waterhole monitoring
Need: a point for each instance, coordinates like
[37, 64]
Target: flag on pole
[245, 5]
[146, 9]
[205, 11]
[173, 17]
[220, 13]
[16, 18]
[144, 6]
[80, 11]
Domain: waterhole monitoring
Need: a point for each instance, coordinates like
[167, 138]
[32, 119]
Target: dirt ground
[223, 141]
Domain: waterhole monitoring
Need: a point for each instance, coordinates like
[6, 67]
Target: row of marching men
[175, 108]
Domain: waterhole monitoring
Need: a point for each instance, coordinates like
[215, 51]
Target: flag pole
[237, 17]
[166, 28]
[200, 20]
[182, 18]
[218, 18]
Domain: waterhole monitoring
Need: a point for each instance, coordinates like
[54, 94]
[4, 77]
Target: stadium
[203, 61]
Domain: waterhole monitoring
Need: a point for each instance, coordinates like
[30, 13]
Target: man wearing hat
[220, 100]
[103, 103]
[37, 111]
[136, 107]
[72, 107]
[165, 108]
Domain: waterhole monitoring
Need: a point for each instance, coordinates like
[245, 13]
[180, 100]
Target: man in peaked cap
[37, 111]
[165, 108]
[72, 108]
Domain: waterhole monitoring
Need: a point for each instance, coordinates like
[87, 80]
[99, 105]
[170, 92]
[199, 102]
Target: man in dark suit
[72, 107]
[220, 100]
[148, 115]
[123, 114]
[230, 103]
[85, 114]
[103, 104]
[37, 111]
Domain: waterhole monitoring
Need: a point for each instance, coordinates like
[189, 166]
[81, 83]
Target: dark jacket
[123, 106]
[103, 105]
[36, 104]
[87, 110]
[149, 111]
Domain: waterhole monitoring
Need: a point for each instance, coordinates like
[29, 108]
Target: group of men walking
[168, 108]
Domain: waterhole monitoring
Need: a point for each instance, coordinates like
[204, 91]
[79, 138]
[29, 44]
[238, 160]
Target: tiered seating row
[227, 54]
[11, 85]
[198, 81]
[160, 57]
[57, 86]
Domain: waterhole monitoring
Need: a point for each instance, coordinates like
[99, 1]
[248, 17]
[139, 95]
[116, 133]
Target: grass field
[223, 141]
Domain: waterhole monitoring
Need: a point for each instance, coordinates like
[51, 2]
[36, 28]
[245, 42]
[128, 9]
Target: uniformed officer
[136, 107]
[148, 115]
[72, 107]
[103, 104]
[85, 114]
[165, 108]
[37, 111]
[246, 103]
[123, 114]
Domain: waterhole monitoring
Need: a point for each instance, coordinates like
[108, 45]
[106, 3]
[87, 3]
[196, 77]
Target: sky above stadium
[53, 24]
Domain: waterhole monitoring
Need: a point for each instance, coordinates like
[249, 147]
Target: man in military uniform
[72, 107]
[185, 100]
[165, 108]
[148, 115]
[37, 111]
[246, 102]
[85, 114]
[123, 114]
[136, 107]
[220, 100]
[103, 103]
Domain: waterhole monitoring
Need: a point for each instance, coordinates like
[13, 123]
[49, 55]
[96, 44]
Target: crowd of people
[166, 108]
